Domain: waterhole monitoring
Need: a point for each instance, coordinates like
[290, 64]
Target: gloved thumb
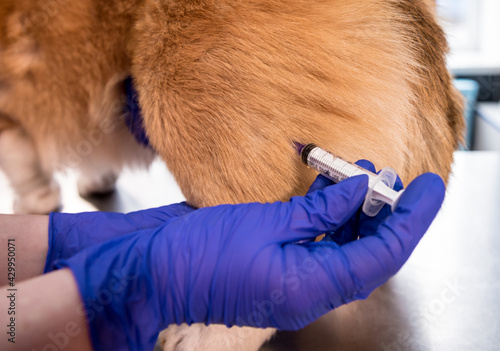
[323, 210]
[322, 182]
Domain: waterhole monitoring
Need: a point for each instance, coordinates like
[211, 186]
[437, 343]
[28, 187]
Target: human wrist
[70, 233]
[118, 292]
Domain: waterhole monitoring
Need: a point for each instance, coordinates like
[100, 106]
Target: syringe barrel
[337, 169]
[331, 166]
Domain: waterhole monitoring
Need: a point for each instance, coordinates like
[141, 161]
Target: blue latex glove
[238, 264]
[70, 233]
[360, 223]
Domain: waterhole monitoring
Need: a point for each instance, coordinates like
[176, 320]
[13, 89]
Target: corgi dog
[224, 87]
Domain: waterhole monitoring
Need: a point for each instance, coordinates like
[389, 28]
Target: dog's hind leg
[36, 192]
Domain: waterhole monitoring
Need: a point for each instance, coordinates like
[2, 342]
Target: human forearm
[48, 311]
[24, 238]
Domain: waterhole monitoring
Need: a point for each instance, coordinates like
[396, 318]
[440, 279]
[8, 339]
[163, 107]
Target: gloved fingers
[367, 225]
[319, 183]
[321, 211]
[331, 276]
[370, 167]
[350, 230]
[372, 260]
[366, 165]
[345, 234]
[399, 184]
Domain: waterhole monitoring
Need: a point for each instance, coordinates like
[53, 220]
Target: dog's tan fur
[365, 79]
[224, 86]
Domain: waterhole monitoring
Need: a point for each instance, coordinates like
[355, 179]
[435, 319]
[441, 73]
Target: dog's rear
[225, 86]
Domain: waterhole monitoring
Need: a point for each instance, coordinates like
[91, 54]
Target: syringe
[380, 186]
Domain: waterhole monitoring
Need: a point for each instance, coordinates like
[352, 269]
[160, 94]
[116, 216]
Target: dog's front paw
[42, 199]
[97, 186]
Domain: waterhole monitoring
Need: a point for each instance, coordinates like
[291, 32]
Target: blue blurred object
[470, 90]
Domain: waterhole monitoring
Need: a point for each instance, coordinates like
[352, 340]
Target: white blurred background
[473, 31]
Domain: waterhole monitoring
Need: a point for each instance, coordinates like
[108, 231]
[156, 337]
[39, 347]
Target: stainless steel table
[444, 298]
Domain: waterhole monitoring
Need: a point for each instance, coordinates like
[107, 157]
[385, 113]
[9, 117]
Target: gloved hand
[240, 265]
[70, 233]
[359, 223]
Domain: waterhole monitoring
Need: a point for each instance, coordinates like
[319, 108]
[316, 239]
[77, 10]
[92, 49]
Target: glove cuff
[118, 294]
[52, 251]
